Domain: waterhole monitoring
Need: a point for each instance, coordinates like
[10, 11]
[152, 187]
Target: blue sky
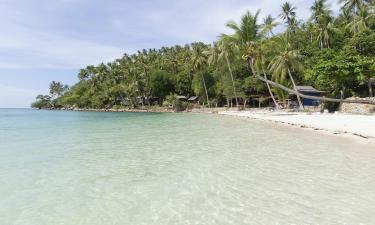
[45, 40]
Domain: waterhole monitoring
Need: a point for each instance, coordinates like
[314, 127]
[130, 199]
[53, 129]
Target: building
[181, 97]
[309, 90]
[193, 99]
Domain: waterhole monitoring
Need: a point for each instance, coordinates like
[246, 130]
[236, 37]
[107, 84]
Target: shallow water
[149, 168]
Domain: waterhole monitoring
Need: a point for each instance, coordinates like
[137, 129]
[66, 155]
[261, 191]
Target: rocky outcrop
[357, 108]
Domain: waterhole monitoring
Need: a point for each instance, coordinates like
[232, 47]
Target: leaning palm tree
[198, 60]
[259, 65]
[286, 61]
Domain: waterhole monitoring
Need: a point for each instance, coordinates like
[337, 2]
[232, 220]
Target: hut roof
[193, 98]
[181, 97]
[308, 89]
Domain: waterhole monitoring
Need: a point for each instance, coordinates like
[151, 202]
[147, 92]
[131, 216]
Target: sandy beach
[360, 127]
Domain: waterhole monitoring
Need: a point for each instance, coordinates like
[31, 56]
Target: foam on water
[137, 168]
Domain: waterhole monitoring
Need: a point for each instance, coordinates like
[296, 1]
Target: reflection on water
[134, 168]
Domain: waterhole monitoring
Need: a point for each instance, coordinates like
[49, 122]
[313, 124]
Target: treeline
[333, 54]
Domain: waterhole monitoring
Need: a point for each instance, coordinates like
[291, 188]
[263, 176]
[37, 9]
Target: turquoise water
[138, 168]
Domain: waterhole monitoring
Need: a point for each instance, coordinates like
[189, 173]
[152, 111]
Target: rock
[357, 108]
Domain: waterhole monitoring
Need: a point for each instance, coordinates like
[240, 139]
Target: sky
[46, 40]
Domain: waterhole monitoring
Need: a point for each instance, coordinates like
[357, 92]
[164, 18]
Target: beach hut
[309, 90]
[193, 99]
[181, 98]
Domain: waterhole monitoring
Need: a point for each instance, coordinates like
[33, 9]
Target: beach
[358, 127]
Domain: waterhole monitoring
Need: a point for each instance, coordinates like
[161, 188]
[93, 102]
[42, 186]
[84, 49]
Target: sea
[99, 168]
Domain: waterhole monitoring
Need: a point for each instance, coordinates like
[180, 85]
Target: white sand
[358, 125]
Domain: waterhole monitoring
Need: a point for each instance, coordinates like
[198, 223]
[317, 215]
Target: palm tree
[288, 13]
[259, 64]
[56, 89]
[319, 9]
[212, 54]
[353, 5]
[198, 60]
[268, 25]
[288, 59]
[227, 51]
[321, 15]
[246, 31]
[360, 21]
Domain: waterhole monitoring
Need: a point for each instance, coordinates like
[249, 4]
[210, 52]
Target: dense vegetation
[334, 54]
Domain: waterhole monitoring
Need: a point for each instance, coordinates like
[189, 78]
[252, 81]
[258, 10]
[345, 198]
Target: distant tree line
[334, 54]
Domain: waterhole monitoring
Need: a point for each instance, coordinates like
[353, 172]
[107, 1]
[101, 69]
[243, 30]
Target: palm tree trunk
[205, 89]
[294, 87]
[323, 99]
[371, 94]
[269, 89]
[231, 75]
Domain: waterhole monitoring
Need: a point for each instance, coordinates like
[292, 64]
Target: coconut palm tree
[56, 89]
[212, 54]
[353, 5]
[286, 61]
[360, 21]
[321, 16]
[227, 51]
[259, 65]
[319, 9]
[245, 31]
[288, 13]
[268, 25]
[198, 60]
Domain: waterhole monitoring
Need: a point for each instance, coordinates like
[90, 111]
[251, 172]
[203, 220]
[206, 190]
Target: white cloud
[28, 36]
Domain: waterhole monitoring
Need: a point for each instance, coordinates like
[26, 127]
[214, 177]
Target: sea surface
[88, 168]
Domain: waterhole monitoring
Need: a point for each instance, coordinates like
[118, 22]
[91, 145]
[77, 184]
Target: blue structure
[309, 90]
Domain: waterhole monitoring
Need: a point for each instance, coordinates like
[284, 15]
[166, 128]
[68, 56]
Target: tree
[288, 14]
[287, 60]
[198, 60]
[227, 52]
[352, 5]
[268, 25]
[259, 65]
[56, 89]
[244, 32]
[360, 21]
[42, 102]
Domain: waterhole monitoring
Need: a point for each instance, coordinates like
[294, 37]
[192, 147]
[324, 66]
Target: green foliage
[42, 102]
[161, 84]
[176, 104]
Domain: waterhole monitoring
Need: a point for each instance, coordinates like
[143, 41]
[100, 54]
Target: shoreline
[359, 128]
